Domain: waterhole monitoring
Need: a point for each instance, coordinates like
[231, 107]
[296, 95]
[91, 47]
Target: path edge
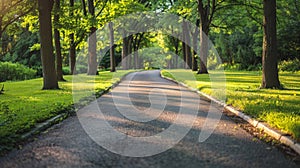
[40, 127]
[255, 123]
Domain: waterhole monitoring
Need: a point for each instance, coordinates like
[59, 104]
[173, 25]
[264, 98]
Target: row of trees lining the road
[73, 21]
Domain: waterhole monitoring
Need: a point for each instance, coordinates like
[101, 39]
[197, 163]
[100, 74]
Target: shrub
[229, 67]
[66, 71]
[15, 71]
[81, 69]
[290, 65]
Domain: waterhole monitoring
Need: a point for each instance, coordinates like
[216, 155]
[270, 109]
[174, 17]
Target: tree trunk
[204, 29]
[136, 58]
[48, 60]
[188, 55]
[92, 60]
[195, 35]
[58, 56]
[1, 33]
[269, 55]
[183, 46]
[129, 56]
[59, 72]
[203, 53]
[125, 52]
[184, 55]
[176, 52]
[72, 54]
[72, 49]
[112, 48]
[136, 44]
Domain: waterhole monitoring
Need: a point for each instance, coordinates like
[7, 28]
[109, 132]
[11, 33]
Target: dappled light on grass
[279, 108]
[24, 103]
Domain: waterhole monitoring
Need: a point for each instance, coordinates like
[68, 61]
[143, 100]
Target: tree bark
[1, 38]
[195, 35]
[136, 45]
[188, 55]
[125, 45]
[59, 72]
[48, 60]
[72, 49]
[92, 60]
[205, 20]
[176, 42]
[112, 48]
[203, 53]
[183, 46]
[269, 56]
[72, 54]
[129, 56]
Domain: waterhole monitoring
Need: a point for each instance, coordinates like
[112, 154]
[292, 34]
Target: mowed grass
[24, 103]
[278, 108]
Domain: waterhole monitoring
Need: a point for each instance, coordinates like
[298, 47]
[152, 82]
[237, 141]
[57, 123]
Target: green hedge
[290, 65]
[15, 71]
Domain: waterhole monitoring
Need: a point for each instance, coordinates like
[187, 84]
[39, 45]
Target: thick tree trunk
[269, 55]
[203, 53]
[204, 29]
[92, 60]
[59, 72]
[112, 48]
[48, 60]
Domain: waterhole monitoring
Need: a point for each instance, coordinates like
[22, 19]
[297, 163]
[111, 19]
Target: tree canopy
[236, 28]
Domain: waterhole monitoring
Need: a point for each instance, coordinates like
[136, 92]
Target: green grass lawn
[24, 104]
[279, 108]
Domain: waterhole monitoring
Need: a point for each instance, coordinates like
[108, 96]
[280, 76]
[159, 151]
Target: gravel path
[68, 145]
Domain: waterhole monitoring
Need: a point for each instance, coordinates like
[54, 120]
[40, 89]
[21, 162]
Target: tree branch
[98, 14]
[16, 18]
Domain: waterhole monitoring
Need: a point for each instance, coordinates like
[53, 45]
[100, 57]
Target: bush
[229, 67]
[66, 71]
[81, 69]
[15, 71]
[290, 65]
